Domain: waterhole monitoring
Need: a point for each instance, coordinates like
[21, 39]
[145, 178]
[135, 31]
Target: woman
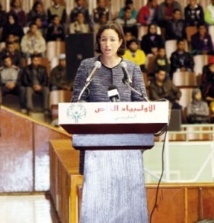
[12, 27]
[121, 196]
[151, 41]
[16, 8]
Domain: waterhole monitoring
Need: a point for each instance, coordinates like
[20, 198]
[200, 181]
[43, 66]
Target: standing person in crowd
[41, 28]
[38, 11]
[163, 88]
[127, 22]
[9, 78]
[59, 79]
[135, 54]
[55, 30]
[151, 41]
[16, 9]
[180, 59]
[99, 11]
[57, 9]
[80, 25]
[201, 42]
[209, 12]
[99, 175]
[33, 42]
[165, 11]
[13, 53]
[197, 110]
[193, 13]
[130, 4]
[148, 13]
[34, 79]
[12, 27]
[175, 27]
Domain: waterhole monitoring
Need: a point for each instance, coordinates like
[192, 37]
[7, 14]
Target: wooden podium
[112, 135]
[119, 125]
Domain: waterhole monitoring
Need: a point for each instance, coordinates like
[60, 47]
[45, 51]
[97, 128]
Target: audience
[13, 53]
[175, 27]
[57, 9]
[80, 7]
[33, 42]
[99, 11]
[193, 13]
[163, 88]
[51, 24]
[2, 16]
[201, 42]
[161, 62]
[130, 4]
[58, 77]
[34, 79]
[207, 81]
[38, 11]
[55, 30]
[148, 13]
[151, 41]
[80, 25]
[209, 11]
[165, 11]
[12, 27]
[16, 9]
[127, 22]
[9, 78]
[180, 59]
[197, 110]
[135, 54]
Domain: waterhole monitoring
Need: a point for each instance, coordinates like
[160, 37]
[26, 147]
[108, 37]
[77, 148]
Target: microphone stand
[132, 89]
[83, 90]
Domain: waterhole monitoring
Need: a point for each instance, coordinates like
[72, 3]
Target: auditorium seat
[54, 48]
[184, 79]
[150, 63]
[190, 30]
[200, 61]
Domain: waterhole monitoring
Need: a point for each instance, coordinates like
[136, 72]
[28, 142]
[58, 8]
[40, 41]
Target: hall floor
[27, 209]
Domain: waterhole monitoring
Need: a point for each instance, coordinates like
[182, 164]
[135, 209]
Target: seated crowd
[25, 36]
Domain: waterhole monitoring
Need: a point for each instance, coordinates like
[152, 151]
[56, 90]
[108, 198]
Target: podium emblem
[76, 112]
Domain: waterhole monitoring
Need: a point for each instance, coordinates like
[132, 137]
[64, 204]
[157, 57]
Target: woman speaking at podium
[114, 187]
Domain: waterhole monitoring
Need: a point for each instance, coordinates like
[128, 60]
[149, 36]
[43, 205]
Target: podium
[112, 136]
[119, 125]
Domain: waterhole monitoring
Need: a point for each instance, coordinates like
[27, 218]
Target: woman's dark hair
[118, 29]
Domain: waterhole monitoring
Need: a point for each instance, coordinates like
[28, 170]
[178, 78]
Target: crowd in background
[25, 35]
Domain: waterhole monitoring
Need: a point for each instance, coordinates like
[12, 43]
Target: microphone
[126, 78]
[97, 66]
[113, 94]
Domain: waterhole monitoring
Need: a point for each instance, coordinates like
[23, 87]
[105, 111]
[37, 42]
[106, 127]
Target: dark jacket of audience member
[193, 15]
[201, 42]
[151, 40]
[12, 28]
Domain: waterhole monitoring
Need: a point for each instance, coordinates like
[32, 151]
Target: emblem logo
[76, 112]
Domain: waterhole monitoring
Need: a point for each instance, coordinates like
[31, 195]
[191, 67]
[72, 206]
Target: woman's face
[152, 29]
[109, 42]
[11, 20]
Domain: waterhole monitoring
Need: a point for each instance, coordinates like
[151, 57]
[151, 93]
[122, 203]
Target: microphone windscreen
[97, 64]
[123, 64]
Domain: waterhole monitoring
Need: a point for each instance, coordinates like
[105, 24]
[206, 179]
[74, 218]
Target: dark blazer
[41, 76]
[194, 16]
